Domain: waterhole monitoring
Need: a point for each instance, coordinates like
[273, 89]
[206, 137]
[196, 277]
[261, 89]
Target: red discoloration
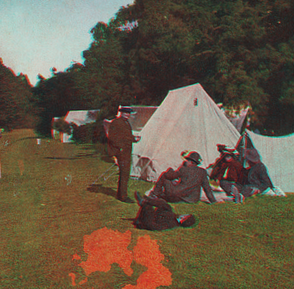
[76, 257]
[73, 278]
[83, 281]
[147, 254]
[105, 247]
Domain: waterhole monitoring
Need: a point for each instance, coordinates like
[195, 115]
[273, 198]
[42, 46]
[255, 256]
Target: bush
[62, 126]
[88, 133]
[99, 133]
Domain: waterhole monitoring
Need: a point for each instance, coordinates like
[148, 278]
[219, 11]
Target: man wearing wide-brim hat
[258, 179]
[120, 140]
[191, 178]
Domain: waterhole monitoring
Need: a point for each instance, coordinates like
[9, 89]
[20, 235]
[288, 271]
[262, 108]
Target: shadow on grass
[101, 189]
[22, 139]
[78, 156]
[58, 158]
[87, 147]
[29, 137]
[107, 158]
[82, 155]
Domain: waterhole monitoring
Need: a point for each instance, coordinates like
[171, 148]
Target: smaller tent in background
[78, 117]
[277, 153]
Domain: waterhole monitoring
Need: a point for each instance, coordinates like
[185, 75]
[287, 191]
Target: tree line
[240, 51]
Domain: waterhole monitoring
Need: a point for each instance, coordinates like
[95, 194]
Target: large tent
[277, 153]
[187, 119]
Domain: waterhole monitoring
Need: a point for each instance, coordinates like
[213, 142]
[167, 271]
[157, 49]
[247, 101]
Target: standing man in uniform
[120, 140]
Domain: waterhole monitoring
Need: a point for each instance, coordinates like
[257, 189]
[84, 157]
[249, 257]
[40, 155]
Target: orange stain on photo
[147, 253]
[105, 247]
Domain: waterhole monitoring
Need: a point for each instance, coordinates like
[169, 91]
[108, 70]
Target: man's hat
[224, 150]
[186, 220]
[252, 155]
[126, 109]
[193, 156]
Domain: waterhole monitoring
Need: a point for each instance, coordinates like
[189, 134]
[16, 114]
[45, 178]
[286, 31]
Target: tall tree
[16, 100]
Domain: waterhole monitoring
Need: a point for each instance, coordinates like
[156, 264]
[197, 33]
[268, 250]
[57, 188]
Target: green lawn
[48, 206]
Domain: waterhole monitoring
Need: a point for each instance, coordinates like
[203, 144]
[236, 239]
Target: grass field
[48, 207]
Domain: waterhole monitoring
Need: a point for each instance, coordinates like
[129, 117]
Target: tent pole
[245, 146]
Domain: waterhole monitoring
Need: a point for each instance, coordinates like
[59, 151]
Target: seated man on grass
[258, 180]
[159, 218]
[227, 170]
[190, 179]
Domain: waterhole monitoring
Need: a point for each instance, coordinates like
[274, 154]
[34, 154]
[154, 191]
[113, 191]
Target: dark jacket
[120, 137]
[258, 177]
[232, 171]
[160, 218]
[191, 179]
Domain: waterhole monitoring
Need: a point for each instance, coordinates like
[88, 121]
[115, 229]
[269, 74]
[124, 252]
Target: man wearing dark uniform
[120, 140]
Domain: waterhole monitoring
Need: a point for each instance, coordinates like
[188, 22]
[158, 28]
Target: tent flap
[277, 153]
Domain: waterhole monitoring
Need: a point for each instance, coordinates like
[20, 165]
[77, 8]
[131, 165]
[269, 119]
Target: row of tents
[83, 117]
[188, 119]
[138, 120]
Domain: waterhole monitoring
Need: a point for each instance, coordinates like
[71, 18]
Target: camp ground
[61, 230]
[203, 76]
[57, 231]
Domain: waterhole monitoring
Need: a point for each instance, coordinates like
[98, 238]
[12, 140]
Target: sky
[36, 35]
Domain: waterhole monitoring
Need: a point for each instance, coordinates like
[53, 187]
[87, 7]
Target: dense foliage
[87, 133]
[16, 100]
[62, 126]
[240, 51]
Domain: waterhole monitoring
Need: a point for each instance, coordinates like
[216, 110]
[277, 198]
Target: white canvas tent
[78, 117]
[277, 153]
[187, 119]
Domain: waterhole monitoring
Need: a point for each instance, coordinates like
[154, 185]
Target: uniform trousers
[124, 164]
